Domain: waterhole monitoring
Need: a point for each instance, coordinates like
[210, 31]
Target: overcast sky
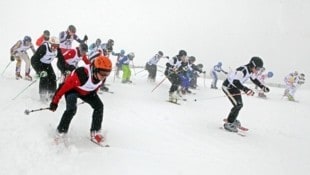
[231, 31]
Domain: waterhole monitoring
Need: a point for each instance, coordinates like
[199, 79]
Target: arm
[35, 59]
[15, 46]
[40, 40]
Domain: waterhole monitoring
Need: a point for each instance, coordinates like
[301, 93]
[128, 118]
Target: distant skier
[216, 69]
[108, 46]
[94, 47]
[118, 66]
[262, 77]
[234, 84]
[292, 81]
[66, 38]
[19, 52]
[83, 83]
[193, 71]
[43, 38]
[172, 73]
[151, 65]
[124, 62]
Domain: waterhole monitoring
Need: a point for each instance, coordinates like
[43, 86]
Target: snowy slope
[150, 136]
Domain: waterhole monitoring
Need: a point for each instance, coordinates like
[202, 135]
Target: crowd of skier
[84, 81]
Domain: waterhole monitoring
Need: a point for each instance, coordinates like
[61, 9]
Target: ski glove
[53, 106]
[12, 58]
[248, 91]
[43, 74]
[85, 38]
[265, 89]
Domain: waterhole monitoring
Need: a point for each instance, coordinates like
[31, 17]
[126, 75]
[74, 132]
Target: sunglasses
[103, 73]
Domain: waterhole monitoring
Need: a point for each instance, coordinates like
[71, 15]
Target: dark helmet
[192, 59]
[160, 53]
[83, 47]
[256, 62]
[27, 38]
[46, 33]
[72, 28]
[98, 41]
[111, 42]
[200, 66]
[182, 53]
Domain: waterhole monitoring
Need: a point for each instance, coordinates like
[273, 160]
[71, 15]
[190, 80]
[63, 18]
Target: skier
[171, 72]
[193, 71]
[291, 83]
[124, 62]
[66, 38]
[44, 37]
[41, 62]
[19, 52]
[72, 57]
[93, 48]
[119, 56]
[108, 46]
[216, 69]
[151, 66]
[262, 77]
[234, 84]
[83, 83]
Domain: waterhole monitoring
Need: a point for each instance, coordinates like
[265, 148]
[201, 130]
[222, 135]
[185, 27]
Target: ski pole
[232, 95]
[6, 68]
[139, 71]
[24, 89]
[159, 84]
[27, 111]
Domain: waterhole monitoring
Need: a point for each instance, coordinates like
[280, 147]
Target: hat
[102, 63]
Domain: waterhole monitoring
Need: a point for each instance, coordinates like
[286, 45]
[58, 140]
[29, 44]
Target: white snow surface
[148, 135]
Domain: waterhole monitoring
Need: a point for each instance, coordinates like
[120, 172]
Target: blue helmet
[122, 52]
[219, 64]
[27, 38]
[269, 74]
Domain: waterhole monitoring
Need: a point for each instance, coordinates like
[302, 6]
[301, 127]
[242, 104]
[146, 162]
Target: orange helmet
[102, 63]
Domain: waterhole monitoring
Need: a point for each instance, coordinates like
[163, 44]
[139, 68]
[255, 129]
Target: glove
[53, 106]
[248, 91]
[265, 89]
[203, 72]
[85, 38]
[12, 58]
[167, 57]
[43, 74]
[67, 72]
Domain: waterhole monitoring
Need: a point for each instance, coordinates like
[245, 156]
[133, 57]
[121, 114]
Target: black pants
[152, 69]
[47, 84]
[234, 96]
[174, 80]
[71, 107]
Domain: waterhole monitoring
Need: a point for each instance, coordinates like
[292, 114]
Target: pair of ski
[65, 142]
[241, 129]
[176, 102]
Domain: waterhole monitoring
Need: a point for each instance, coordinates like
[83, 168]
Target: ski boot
[96, 137]
[230, 127]
[28, 77]
[18, 76]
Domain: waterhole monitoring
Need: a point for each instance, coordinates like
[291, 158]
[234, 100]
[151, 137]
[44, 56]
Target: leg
[94, 101]
[236, 100]
[71, 100]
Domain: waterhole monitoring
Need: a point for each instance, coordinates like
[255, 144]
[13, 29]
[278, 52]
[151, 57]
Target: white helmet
[54, 40]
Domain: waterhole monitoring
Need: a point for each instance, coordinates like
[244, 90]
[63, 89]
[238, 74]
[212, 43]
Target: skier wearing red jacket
[71, 59]
[83, 83]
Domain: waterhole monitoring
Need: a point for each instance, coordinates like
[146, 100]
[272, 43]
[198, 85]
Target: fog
[212, 31]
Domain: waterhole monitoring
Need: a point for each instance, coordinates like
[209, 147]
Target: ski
[242, 128]
[242, 134]
[176, 103]
[101, 144]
